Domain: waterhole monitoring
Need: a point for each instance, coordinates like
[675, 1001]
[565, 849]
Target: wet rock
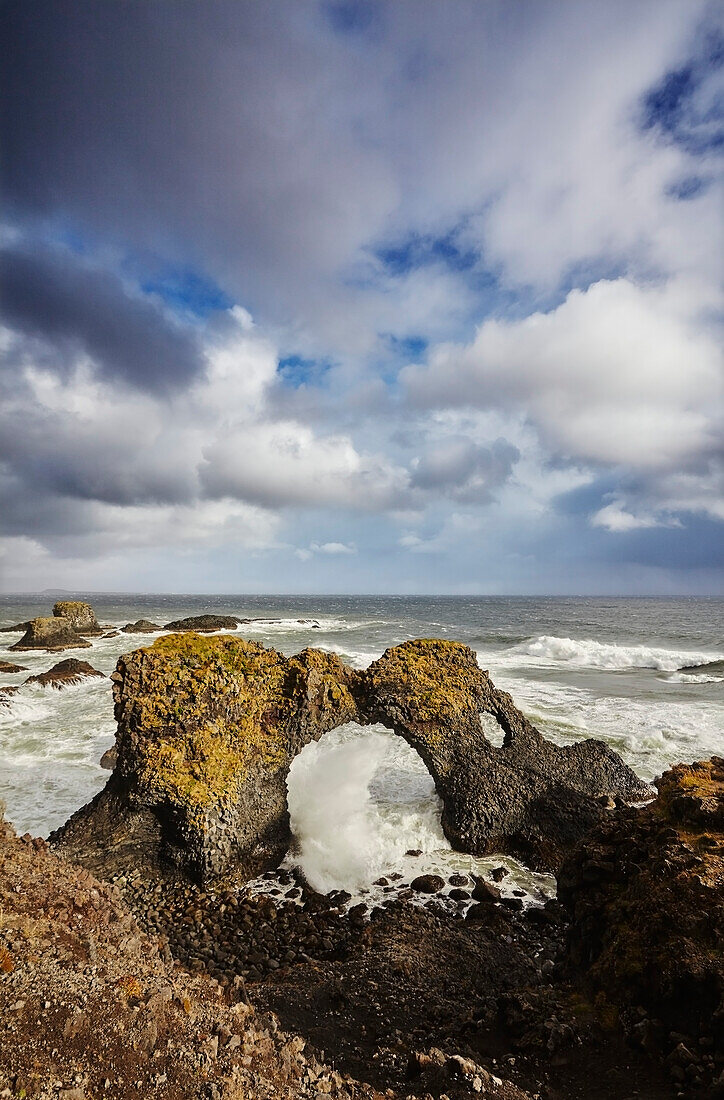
[458, 880]
[69, 671]
[16, 628]
[427, 884]
[485, 891]
[8, 666]
[141, 626]
[6, 694]
[498, 873]
[204, 623]
[111, 634]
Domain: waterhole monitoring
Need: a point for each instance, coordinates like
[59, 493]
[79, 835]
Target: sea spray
[358, 800]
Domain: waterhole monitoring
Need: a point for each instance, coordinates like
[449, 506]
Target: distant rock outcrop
[69, 671]
[204, 624]
[51, 634]
[8, 666]
[646, 896]
[81, 616]
[141, 626]
[208, 727]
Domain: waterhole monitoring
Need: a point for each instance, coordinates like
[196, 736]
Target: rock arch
[208, 727]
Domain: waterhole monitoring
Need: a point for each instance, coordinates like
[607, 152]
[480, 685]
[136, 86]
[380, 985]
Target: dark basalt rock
[51, 634]
[141, 626]
[645, 892]
[427, 884]
[69, 671]
[81, 616]
[8, 666]
[208, 727]
[203, 624]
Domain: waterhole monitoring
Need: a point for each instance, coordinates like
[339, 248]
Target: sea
[645, 675]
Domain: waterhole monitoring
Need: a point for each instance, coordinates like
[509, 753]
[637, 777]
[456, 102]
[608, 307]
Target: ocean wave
[694, 677]
[588, 653]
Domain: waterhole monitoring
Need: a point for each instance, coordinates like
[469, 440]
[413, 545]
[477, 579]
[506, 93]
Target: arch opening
[359, 799]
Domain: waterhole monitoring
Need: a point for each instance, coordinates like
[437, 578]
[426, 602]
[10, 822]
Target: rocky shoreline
[125, 972]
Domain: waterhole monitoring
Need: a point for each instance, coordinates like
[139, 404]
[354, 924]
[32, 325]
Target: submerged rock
[208, 727]
[427, 884]
[141, 626]
[51, 634]
[204, 624]
[69, 671]
[81, 616]
[6, 694]
[645, 892]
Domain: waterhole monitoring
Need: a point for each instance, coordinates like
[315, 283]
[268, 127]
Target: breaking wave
[587, 653]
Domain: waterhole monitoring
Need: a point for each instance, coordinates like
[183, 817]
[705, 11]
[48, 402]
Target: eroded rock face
[69, 671]
[208, 727]
[81, 616]
[51, 634]
[646, 896]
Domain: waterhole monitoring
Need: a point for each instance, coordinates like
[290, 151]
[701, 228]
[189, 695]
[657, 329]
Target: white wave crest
[588, 653]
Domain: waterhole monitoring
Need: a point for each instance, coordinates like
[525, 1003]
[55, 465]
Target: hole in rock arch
[492, 730]
[358, 799]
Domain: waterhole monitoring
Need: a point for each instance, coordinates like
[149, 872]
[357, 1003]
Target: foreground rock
[646, 897]
[69, 671]
[141, 626]
[90, 1006]
[51, 634]
[204, 624]
[208, 727]
[81, 616]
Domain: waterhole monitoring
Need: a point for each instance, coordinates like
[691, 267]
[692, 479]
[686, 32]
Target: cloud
[614, 517]
[332, 548]
[54, 297]
[617, 375]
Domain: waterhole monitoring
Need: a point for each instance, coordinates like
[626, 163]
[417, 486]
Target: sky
[378, 296]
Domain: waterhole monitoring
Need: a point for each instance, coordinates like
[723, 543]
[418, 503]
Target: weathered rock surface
[204, 624]
[69, 671]
[90, 1006]
[52, 634]
[208, 727]
[8, 666]
[141, 626]
[646, 896]
[81, 616]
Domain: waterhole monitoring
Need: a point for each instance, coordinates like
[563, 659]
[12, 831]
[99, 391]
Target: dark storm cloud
[52, 296]
[206, 133]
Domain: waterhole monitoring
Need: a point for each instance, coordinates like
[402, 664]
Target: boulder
[645, 894]
[427, 884]
[109, 758]
[141, 626]
[208, 728]
[8, 666]
[52, 634]
[69, 671]
[81, 616]
[204, 624]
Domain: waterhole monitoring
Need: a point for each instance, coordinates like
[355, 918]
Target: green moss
[209, 708]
